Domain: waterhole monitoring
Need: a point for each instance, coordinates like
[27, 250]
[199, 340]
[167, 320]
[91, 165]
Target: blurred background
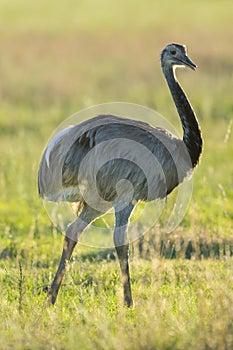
[59, 57]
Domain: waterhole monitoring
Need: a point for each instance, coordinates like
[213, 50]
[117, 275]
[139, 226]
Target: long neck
[191, 131]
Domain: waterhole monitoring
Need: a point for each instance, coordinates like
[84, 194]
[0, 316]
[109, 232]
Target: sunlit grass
[177, 307]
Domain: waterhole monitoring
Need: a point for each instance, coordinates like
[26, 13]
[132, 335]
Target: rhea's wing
[59, 168]
[102, 157]
[50, 170]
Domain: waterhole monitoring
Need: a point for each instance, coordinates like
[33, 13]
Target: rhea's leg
[122, 249]
[70, 240]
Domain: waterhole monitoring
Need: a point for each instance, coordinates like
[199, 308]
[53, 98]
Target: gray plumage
[87, 162]
[59, 175]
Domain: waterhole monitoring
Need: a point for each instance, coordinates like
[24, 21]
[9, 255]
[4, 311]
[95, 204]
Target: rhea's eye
[173, 52]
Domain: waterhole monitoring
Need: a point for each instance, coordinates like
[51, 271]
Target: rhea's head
[175, 55]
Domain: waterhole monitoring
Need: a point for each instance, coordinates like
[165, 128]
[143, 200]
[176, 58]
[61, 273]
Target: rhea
[113, 162]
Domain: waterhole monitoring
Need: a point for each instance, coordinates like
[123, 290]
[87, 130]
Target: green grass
[178, 306]
[56, 59]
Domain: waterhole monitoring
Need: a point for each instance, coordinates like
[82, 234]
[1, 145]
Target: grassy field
[56, 59]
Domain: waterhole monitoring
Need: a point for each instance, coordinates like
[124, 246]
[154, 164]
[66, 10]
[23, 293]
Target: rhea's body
[128, 147]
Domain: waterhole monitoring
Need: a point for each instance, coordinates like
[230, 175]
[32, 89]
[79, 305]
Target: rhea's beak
[189, 63]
